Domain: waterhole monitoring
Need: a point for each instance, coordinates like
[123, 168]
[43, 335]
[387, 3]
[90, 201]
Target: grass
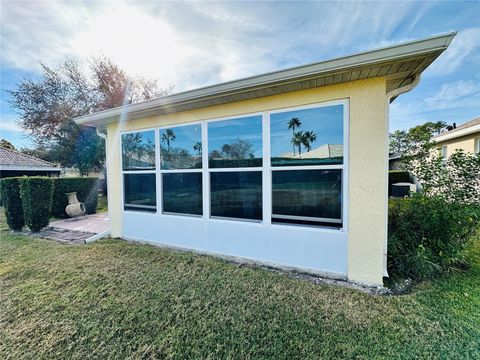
[113, 299]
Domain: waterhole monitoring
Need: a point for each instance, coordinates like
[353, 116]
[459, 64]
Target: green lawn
[112, 299]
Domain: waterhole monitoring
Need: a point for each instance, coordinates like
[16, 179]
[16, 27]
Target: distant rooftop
[14, 160]
[467, 128]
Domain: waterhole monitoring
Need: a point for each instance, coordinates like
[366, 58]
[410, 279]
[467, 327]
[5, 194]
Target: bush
[428, 236]
[86, 189]
[10, 194]
[36, 194]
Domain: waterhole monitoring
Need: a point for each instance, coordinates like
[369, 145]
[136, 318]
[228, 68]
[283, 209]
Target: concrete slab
[95, 223]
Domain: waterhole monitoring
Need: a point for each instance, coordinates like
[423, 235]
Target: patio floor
[76, 231]
[95, 223]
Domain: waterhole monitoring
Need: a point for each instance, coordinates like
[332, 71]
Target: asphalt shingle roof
[14, 158]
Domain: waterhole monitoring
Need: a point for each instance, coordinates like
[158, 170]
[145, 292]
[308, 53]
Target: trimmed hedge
[86, 189]
[10, 194]
[36, 194]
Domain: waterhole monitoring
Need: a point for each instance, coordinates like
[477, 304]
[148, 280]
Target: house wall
[465, 143]
[367, 168]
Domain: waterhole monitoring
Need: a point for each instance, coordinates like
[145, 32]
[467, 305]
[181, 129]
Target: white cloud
[464, 46]
[452, 92]
[9, 123]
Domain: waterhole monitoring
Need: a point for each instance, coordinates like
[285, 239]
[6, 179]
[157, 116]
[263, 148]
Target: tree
[167, 137]
[294, 123]
[297, 140]
[397, 142]
[198, 148]
[48, 105]
[309, 137]
[238, 149]
[6, 144]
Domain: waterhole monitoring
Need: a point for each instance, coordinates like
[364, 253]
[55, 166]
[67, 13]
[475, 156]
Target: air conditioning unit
[403, 189]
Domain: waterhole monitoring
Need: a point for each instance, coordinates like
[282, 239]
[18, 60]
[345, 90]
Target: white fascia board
[28, 168]
[456, 134]
[397, 52]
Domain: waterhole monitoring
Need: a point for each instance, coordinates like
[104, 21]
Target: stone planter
[74, 207]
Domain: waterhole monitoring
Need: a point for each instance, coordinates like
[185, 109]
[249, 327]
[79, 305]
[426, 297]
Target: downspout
[389, 96]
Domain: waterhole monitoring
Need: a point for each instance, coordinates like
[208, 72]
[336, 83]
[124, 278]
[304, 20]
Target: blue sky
[192, 44]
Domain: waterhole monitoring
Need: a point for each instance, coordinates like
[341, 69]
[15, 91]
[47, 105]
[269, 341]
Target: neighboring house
[73, 172]
[216, 182]
[464, 137]
[14, 163]
[394, 162]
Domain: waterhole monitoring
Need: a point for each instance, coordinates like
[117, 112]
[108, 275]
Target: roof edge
[388, 53]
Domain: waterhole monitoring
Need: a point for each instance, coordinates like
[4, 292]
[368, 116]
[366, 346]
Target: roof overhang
[400, 64]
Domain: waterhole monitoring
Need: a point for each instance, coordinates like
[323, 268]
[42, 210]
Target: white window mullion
[205, 175]
[267, 177]
[158, 173]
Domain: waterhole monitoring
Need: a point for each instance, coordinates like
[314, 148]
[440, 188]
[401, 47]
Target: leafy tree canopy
[48, 104]
[6, 144]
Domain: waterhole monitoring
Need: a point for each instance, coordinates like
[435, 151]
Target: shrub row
[87, 193]
[10, 193]
[32, 200]
[36, 194]
[428, 236]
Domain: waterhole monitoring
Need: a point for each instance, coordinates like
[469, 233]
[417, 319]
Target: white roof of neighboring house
[467, 128]
[322, 152]
[400, 64]
[14, 160]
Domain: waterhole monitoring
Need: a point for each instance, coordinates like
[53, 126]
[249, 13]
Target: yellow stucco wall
[465, 143]
[367, 167]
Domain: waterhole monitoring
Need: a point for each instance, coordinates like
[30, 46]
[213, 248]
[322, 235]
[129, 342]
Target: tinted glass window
[138, 151]
[310, 195]
[307, 137]
[182, 193]
[181, 147]
[139, 192]
[236, 194]
[235, 143]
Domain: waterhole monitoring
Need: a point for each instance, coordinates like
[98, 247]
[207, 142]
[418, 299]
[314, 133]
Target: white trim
[476, 145]
[236, 169]
[28, 168]
[307, 218]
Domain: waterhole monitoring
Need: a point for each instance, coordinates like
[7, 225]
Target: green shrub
[36, 193]
[86, 189]
[10, 194]
[428, 236]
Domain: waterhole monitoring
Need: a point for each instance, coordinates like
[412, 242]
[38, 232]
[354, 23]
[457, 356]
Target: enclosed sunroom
[287, 169]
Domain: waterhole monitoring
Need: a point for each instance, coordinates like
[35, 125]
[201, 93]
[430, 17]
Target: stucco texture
[465, 143]
[367, 166]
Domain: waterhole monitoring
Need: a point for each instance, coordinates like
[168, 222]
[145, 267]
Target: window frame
[343, 167]
[162, 171]
[266, 169]
[234, 169]
[126, 172]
